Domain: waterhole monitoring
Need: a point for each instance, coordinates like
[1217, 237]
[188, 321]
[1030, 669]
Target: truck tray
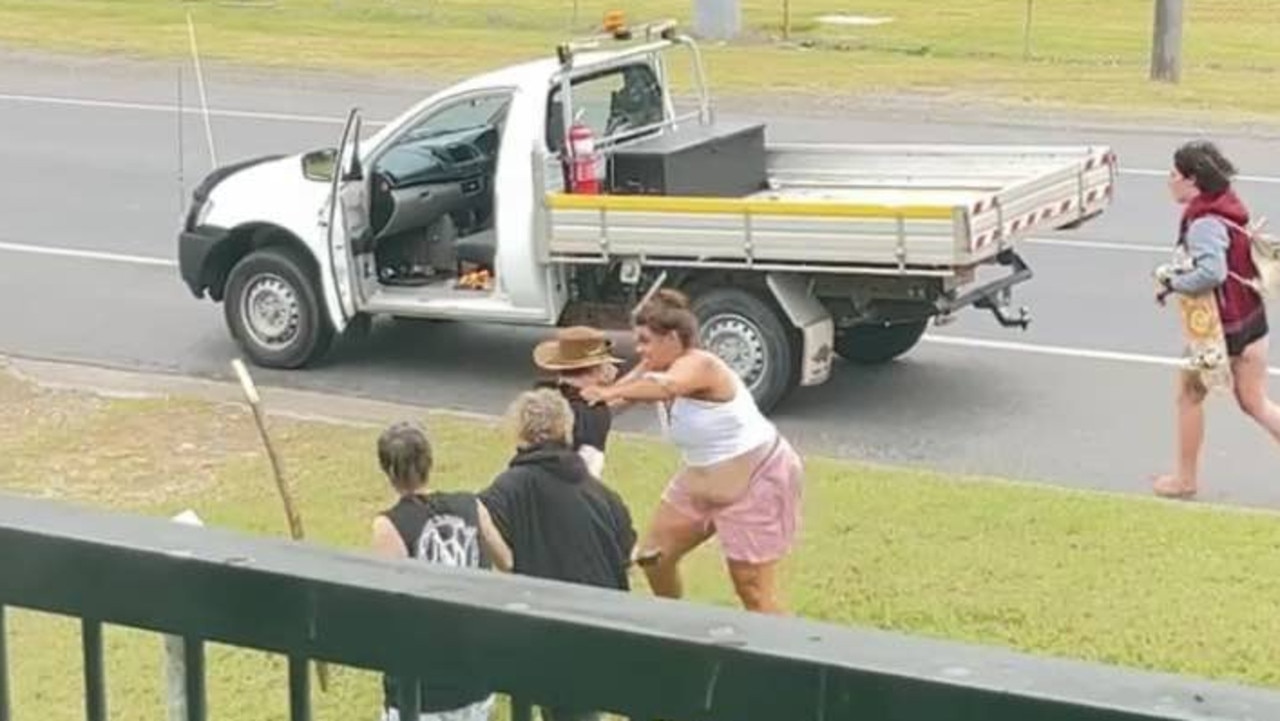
[848, 208]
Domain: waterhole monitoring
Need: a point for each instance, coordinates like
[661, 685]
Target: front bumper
[195, 246]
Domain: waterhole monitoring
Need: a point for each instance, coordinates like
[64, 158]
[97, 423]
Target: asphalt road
[1083, 398]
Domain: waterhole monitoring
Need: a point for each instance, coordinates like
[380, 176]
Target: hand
[596, 394]
[609, 373]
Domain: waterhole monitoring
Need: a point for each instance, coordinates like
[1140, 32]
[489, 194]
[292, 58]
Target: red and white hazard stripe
[1037, 216]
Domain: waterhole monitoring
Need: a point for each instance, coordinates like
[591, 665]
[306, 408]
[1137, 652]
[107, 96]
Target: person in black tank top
[453, 529]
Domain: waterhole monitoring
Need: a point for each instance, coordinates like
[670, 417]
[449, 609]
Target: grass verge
[1089, 53]
[1149, 584]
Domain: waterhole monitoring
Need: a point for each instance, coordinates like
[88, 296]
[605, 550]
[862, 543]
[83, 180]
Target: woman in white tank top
[740, 479]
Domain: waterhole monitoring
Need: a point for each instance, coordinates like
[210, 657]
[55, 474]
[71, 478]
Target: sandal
[1167, 487]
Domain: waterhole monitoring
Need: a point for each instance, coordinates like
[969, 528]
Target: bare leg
[757, 586]
[675, 534]
[1250, 372]
[1191, 395]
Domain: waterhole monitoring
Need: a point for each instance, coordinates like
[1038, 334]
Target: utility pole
[1166, 44]
[717, 19]
[1026, 32]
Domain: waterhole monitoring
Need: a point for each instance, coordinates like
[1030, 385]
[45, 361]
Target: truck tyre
[274, 311]
[752, 336]
[873, 344]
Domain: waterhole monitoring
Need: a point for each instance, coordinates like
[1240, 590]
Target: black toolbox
[717, 160]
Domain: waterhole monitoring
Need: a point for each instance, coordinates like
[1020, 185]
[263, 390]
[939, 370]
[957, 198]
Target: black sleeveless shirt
[591, 423]
[439, 528]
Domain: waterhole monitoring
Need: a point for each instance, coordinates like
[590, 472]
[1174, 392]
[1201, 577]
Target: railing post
[193, 681]
[4, 669]
[299, 689]
[409, 701]
[175, 653]
[521, 709]
[95, 688]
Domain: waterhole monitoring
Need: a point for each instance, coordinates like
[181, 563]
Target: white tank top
[708, 432]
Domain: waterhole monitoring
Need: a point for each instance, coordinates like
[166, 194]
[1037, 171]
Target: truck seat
[478, 248]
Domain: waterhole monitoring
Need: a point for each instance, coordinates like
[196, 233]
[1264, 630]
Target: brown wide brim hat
[574, 349]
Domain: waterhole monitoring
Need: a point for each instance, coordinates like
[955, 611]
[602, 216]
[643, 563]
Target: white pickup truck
[791, 253]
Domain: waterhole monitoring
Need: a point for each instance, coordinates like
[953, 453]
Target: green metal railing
[628, 654]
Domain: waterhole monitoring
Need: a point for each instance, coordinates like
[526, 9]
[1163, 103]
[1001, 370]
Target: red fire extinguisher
[582, 161]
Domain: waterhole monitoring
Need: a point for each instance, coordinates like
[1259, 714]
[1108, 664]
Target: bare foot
[1167, 486]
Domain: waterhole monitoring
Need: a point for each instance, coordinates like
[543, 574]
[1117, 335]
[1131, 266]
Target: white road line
[1263, 179]
[337, 120]
[161, 108]
[1061, 351]
[87, 254]
[1100, 245]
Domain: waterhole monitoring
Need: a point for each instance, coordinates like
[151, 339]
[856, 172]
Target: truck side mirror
[318, 165]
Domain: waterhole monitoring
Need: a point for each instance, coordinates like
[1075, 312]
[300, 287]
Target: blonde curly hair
[541, 416]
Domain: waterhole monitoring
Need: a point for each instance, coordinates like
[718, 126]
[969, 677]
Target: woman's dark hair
[405, 456]
[668, 311]
[1205, 165]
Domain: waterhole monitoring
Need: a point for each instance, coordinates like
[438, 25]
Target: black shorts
[1252, 331]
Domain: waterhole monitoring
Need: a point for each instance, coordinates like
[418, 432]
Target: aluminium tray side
[1008, 192]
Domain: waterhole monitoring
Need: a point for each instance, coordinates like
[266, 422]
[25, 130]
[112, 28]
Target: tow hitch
[996, 295]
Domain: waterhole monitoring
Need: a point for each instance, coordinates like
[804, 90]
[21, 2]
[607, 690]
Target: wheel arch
[808, 321]
[245, 239]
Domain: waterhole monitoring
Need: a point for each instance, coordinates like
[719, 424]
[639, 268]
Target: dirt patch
[28, 409]
[120, 453]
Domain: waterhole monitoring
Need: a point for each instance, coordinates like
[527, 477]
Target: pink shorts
[761, 526]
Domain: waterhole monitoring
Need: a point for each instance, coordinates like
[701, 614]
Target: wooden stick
[286, 494]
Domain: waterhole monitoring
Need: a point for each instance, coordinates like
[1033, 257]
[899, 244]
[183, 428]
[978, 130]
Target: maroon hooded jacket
[1238, 304]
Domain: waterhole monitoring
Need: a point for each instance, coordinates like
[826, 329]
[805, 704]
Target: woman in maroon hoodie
[1212, 234]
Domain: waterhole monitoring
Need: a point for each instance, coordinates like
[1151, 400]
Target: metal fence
[539, 642]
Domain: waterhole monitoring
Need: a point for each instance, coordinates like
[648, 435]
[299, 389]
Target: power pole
[1166, 44]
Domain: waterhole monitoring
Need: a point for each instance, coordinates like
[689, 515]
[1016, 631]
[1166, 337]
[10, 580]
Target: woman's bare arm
[619, 405]
[689, 375]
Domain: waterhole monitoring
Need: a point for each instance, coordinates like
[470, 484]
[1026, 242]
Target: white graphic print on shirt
[447, 539]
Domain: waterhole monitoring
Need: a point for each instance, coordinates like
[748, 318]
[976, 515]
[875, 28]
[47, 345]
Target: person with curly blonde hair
[560, 521]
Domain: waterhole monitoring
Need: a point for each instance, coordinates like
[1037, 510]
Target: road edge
[294, 404]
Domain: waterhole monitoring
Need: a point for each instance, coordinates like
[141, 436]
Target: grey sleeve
[1207, 242]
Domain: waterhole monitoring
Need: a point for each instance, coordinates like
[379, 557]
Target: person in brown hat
[581, 357]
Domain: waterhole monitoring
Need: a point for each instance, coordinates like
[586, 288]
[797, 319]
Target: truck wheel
[751, 335]
[873, 344]
[274, 312]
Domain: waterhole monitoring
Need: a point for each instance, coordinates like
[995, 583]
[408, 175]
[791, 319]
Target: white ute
[462, 208]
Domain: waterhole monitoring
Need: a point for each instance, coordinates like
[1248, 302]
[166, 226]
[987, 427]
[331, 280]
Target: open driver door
[348, 195]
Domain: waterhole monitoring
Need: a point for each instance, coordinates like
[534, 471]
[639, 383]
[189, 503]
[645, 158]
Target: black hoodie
[561, 522]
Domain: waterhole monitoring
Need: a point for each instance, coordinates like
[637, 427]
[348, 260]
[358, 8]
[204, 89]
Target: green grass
[1158, 585]
[1091, 53]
